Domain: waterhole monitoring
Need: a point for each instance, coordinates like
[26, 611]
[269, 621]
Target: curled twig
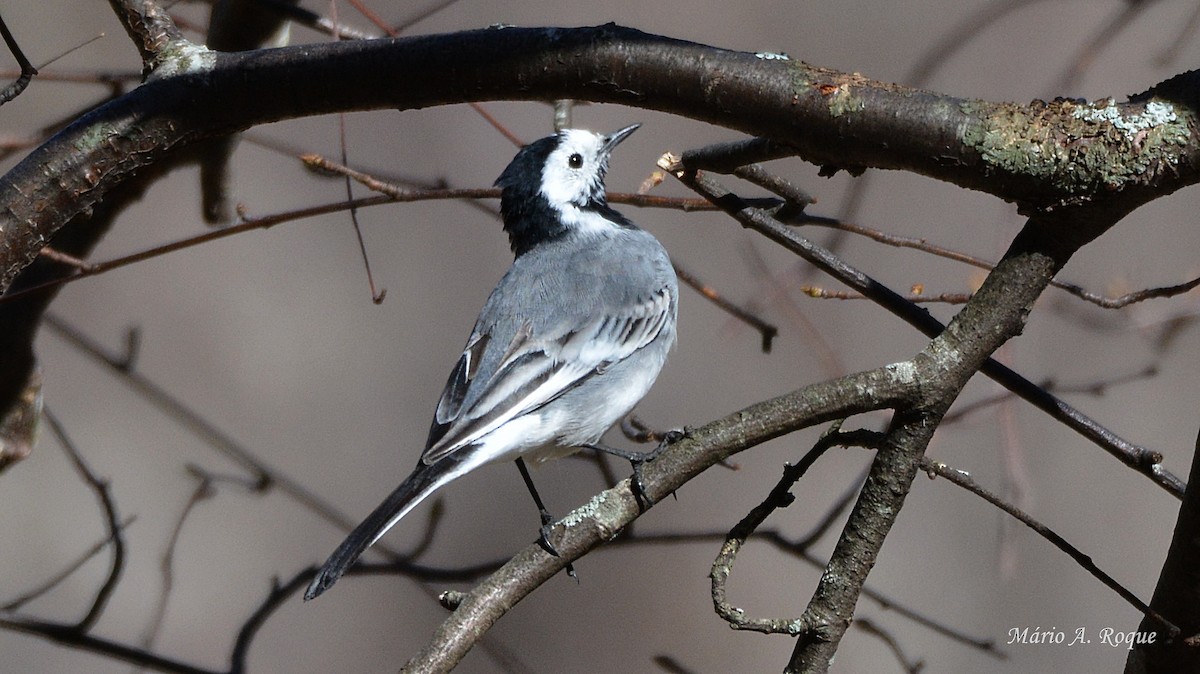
[722, 567]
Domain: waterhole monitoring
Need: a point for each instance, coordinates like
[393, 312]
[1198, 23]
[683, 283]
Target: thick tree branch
[995, 314]
[1109, 156]
[607, 513]
[1177, 595]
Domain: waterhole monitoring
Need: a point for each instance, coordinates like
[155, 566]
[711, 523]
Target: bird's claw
[545, 544]
[636, 484]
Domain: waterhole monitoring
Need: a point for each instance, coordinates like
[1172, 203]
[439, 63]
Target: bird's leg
[637, 459]
[547, 518]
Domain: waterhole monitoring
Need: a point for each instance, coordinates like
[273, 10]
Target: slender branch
[810, 333]
[205, 488]
[964, 480]
[317, 22]
[57, 579]
[106, 78]
[893, 645]
[27, 70]
[264, 475]
[70, 636]
[104, 495]
[939, 251]
[799, 549]
[279, 593]
[1096, 388]
[826, 294]
[1141, 459]
[765, 329]
[607, 513]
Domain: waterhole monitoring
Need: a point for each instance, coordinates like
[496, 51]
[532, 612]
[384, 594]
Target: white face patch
[574, 176]
[574, 171]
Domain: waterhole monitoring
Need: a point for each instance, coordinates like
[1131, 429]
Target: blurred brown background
[272, 335]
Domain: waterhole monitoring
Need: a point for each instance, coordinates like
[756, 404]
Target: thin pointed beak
[615, 138]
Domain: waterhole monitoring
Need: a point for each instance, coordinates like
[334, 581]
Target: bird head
[555, 187]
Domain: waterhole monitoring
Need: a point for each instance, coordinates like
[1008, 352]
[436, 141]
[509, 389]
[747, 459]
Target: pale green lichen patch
[1155, 114]
[586, 511]
[181, 56]
[92, 138]
[842, 100]
[1079, 147]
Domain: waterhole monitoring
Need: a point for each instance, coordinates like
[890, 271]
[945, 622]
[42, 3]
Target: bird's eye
[575, 161]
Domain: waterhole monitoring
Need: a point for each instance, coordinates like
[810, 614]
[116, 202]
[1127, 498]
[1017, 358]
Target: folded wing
[535, 369]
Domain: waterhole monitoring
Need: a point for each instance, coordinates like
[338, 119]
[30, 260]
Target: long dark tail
[423, 482]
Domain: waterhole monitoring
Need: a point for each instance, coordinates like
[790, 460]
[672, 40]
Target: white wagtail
[568, 342]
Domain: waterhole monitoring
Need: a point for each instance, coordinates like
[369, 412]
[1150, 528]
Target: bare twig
[205, 488]
[722, 567]
[832, 515]
[377, 294]
[1141, 459]
[1132, 297]
[315, 21]
[104, 495]
[70, 636]
[964, 480]
[827, 294]
[67, 259]
[107, 78]
[1096, 388]
[827, 356]
[66, 572]
[421, 14]
[980, 263]
[27, 70]
[279, 594]
[867, 625]
[799, 549]
[263, 474]
[764, 328]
